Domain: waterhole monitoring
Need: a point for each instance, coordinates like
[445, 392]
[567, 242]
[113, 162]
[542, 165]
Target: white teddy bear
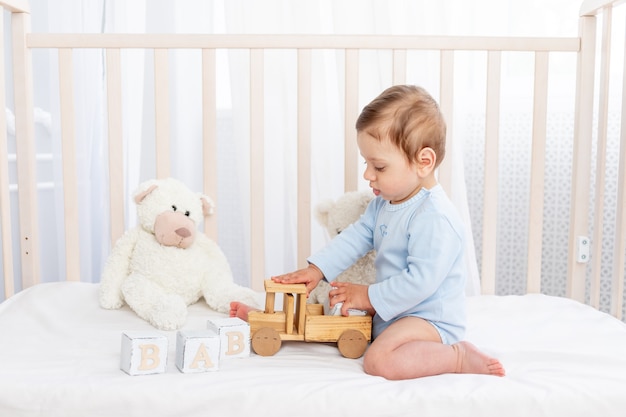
[336, 216]
[164, 264]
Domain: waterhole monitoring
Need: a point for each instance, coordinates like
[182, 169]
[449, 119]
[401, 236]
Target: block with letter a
[197, 351]
[234, 336]
[143, 352]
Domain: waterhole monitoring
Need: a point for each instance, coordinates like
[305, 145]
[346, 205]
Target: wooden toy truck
[305, 322]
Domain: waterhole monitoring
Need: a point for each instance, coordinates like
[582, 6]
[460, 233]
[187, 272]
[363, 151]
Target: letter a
[202, 355]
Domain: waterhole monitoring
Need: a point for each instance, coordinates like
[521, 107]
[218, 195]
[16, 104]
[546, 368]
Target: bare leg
[241, 310]
[411, 348]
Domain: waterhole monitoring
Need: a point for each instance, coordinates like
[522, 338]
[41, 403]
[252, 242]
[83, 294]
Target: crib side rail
[350, 47]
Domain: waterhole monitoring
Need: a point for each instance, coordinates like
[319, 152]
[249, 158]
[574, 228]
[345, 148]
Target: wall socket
[582, 249]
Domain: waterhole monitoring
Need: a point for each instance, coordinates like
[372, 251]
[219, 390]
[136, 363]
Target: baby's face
[387, 169]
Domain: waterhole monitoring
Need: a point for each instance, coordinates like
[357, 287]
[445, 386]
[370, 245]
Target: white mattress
[59, 356]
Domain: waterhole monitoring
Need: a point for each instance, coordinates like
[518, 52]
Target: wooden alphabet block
[143, 352]
[234, 336]
[197, 351]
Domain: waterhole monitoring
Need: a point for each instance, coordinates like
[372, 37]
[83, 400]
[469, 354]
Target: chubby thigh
[407, 329]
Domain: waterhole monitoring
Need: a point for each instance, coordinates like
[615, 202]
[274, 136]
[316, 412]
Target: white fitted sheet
[59, 356]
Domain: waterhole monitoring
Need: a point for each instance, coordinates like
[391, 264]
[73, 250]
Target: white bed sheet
[59, 356]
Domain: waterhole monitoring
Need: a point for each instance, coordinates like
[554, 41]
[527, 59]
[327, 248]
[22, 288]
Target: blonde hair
[407, 116]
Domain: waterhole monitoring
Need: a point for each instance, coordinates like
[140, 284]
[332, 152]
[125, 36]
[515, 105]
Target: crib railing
[606, 84]
[584, 46]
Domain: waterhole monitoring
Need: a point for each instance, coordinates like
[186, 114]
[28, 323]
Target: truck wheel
[266, 341]
[352, 344]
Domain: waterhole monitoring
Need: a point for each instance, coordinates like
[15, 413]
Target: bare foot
[470, 360]
[240, 310]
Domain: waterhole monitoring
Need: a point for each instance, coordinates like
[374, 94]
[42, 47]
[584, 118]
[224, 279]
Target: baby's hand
[352, 297]
[311, 276]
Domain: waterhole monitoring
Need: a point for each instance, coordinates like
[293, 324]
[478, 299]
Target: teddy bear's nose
[183, 232]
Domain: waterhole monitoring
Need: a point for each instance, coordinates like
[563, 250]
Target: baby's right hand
[311, 276]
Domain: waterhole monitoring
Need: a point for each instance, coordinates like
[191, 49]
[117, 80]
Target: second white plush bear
[336, 216]
[164, 264]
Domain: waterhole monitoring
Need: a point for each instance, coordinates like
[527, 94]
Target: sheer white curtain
[458, 17]
[70, 16]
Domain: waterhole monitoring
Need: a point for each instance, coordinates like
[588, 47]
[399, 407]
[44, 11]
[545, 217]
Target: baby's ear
[208, 206]
[426, 158]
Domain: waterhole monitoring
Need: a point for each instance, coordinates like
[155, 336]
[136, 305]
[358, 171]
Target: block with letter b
[234, 335]
[197, 351]
[143, 352]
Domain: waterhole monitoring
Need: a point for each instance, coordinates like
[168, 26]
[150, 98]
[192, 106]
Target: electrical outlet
[582, 249]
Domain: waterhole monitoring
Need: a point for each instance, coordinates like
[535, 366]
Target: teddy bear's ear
[140, 195]
[208, 206]
[322, 210]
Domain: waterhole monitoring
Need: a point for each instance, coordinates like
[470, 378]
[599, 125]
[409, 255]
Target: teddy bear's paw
[320, 294]
[169, 313]
[168, 325]
[110, 301]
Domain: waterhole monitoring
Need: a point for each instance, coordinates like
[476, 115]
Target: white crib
[59, 352]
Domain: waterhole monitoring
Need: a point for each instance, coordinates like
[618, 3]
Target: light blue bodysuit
[420, 270]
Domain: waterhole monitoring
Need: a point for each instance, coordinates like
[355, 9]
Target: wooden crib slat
[351, 114]
[209, 137]
[603, 115]
[115, 137]
[446, 103]
[304, 156]
[257, 170]
[70, 187]
[5, 206]
[25, 150]
[537, 175]
[399, 66]
[161, 112]
[617, 290]
[581, 169]
[619, 254]
[490, 201]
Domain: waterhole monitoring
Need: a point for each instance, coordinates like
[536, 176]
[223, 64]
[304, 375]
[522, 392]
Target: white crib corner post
[25, 149]
[5, 206]
[581, 163]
